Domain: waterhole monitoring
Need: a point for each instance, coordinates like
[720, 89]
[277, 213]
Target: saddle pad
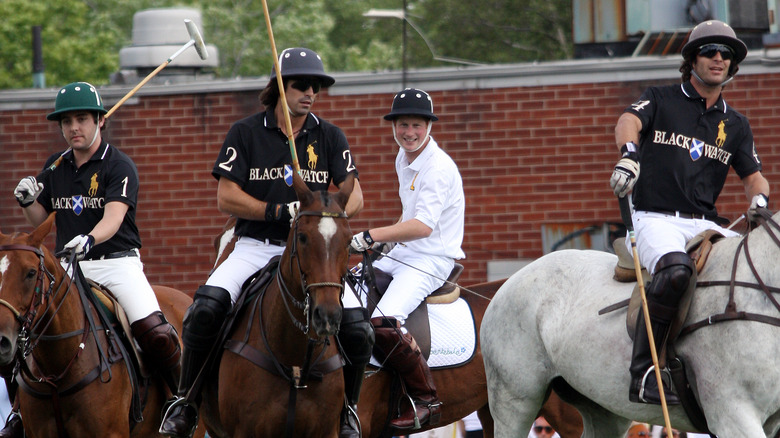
[453, 334]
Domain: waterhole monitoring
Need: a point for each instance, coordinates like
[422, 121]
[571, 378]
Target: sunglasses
[303, 84]
[709, 51]
[546, 429]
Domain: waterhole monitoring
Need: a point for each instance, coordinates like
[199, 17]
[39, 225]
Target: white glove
[27, 191]
[624, 176]
[80, 245]
[758, 201]
[361, 242]
[281, 212]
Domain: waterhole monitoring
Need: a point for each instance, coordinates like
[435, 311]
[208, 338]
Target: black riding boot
[644, 385]
[13, 425]
[202, 325]
[674, 273]
[356, 337]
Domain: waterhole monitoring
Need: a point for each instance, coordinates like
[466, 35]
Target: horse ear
[346, 189]
[36, 237]
[305, 196]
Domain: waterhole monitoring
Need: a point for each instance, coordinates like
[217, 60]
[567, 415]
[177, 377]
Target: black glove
[281, 212]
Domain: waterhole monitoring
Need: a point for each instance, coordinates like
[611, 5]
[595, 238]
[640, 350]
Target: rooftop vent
[158, 34]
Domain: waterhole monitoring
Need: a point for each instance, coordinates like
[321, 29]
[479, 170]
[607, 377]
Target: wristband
[367, 238]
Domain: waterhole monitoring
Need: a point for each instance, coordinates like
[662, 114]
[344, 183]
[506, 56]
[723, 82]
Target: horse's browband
[15, 247]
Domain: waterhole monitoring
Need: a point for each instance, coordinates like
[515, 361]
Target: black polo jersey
[686, 150]
[255, 151]
[79, 197]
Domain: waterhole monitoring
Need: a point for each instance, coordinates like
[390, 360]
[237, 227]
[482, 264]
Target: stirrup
[665, 384]
[173, 404]
[350, 418]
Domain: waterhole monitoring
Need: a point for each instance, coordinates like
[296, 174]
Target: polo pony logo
[721, 134]
[312, 156]
[93, 185]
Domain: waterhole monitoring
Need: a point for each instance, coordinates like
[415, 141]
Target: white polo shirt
[431, 191]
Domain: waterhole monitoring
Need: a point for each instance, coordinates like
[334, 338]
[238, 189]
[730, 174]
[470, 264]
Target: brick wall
[528, 156]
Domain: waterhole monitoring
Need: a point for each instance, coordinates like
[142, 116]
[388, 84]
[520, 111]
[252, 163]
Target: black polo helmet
[299, 61]
[412, 102]
[714, 31]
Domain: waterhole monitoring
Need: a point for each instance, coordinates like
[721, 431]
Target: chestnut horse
[462, 389]
[281, 374]
[81, 388]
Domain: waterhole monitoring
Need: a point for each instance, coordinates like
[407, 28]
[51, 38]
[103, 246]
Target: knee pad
[205, 316]
[356, 334]
[672, 276]
[158, 340]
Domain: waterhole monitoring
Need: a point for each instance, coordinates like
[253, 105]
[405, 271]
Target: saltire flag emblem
[697, 149]
[78, 204]
[288, 175]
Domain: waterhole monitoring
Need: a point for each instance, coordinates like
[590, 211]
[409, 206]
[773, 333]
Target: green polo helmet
[77, 96]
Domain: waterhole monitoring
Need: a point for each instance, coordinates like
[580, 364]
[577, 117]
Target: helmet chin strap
[693, 72]
[97, 129]
[422, 143]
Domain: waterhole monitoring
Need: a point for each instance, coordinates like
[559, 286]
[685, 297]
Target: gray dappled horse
[543, 327]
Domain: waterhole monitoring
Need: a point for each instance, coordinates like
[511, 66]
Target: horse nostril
[6, 348]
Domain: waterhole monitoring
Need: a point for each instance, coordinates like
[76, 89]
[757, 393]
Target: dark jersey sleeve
[122, 181]
[644, 108]
[233, 160]
[341, 159]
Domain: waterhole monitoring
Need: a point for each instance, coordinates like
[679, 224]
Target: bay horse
[544, 328]
[462, 389]
[281, 372]
[80, 388]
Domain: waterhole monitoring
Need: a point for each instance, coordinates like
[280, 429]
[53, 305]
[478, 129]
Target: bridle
[305, 286]
[41, 294]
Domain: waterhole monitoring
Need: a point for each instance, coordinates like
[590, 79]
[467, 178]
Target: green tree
[82, 38]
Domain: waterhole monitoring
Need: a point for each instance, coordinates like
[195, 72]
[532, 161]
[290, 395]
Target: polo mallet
[280, 84]
[625, 213]
[195, 40]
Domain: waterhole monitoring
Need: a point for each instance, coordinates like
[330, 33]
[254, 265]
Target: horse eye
[302, 238]
[30, 274]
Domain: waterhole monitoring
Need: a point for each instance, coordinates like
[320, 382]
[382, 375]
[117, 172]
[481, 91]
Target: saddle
[418, 323]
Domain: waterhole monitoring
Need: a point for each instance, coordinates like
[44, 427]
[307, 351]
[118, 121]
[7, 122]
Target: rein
[731, 313]
[383, 254]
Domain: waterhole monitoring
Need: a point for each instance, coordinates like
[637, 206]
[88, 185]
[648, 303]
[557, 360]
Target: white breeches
[248, 256]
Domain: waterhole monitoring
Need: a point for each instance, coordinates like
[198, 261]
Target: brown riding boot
[400, 351]
[160, 344]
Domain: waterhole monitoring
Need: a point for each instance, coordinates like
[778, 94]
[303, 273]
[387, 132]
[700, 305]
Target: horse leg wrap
[400, 351]
[160, 343]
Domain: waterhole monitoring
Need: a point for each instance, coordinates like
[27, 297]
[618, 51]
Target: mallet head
[195, 36]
